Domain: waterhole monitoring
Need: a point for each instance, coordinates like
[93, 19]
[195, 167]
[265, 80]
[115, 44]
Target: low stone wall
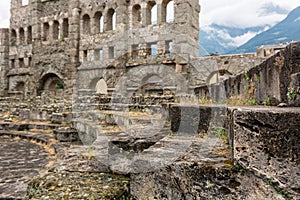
[54, 110]
[264, 140]
[196, 118]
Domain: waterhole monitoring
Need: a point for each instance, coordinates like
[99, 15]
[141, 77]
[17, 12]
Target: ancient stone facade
[76, 47]
[49, 42]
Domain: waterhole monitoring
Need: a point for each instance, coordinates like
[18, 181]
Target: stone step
[115, 106]
[128, 120]
[27, 126]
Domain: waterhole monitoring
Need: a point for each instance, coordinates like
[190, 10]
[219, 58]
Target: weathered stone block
[196, 118]
[66, 135]
[24, 114]
[266, 141]
[57, 118]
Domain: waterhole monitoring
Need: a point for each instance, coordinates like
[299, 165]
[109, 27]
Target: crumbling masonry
[48, 41]
[145, 47]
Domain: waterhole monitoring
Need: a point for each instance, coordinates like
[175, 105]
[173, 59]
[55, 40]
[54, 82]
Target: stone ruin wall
[268, 81]
[128, 45]
[50, 39]
[208, 70]
[54, 42]
[134, 31]
[20, 48]
[38, 52]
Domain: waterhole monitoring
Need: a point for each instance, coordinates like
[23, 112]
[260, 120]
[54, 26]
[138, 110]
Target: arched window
[86, 25]
[13, 37]
[151, 15]
[21, 62]
[29, 35]
[101, 87]
[154, 15]
[170, 12]
[111, 20]
[56, 30]
[169, 47]
[136, 15]
[46, 29]
[22, 36]
[99, 22]
[51, 85]
[114, 24]
[20, 86]
[65, 27]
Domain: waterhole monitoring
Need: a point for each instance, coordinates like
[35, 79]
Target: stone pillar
[36, 9]
[74, 37]
[122, 17]
[161, 47]
[187, 27]
[145, 14]
[25, 36]
[51, 30]
[61, 28]
[94, 26]
[18, 41]
[4, 60]
[159, 13]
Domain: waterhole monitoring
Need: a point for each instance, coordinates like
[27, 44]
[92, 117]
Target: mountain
[285, 31]
[223, 39]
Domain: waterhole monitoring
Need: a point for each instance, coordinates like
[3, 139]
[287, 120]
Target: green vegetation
[205, 100]
[292, 94]
[257, 78]
[62, 38]
[279, 191]
[241, 101]
[59, 85]
[246, 76]
[252, 102]
[240, 169]
[220, 132]
[267, 102]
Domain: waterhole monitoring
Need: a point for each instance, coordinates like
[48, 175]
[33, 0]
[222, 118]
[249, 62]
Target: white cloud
[227, 40]
[4, 23]
[239, 40]
[4, 13]
[243, 13]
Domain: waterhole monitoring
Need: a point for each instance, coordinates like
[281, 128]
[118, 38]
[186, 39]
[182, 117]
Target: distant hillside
[285, 31]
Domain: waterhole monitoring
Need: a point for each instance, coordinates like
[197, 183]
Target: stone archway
[101, 87]
[218, 76]
[20, 86]
[51, 85]
[152, 85]
[20, 89]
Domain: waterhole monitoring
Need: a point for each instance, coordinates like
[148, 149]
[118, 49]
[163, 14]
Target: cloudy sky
[237, 13]
[245, 13]
[240, 13]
